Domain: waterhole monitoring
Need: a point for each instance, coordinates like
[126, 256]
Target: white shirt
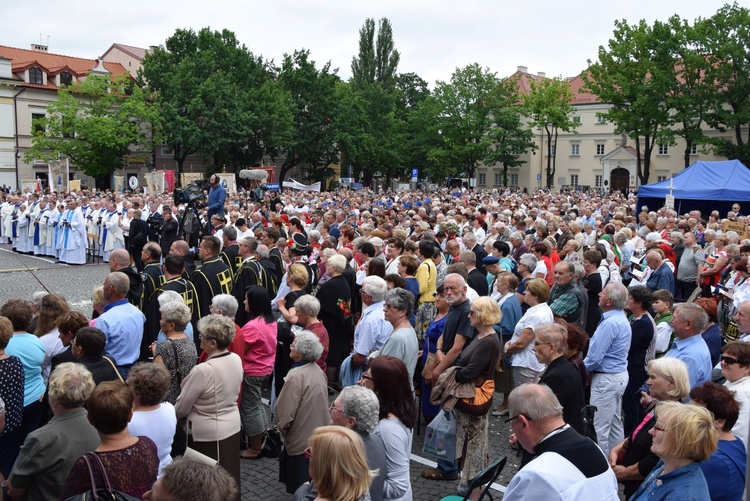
[534, 317]
[741, 390]
[159, 425]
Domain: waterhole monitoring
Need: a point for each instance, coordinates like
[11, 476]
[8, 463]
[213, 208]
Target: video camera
[192, 193]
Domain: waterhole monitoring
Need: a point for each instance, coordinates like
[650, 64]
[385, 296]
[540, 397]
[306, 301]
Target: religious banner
[228, 182]
[169, 180]
[296, 185]
[155, 182]
[740, 228]
[57, 175]
[28, 185]
[188, 177]
[74, 185]
[119, 184]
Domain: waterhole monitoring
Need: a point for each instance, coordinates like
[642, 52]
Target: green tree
[377, 60]
[415, 130]
[316, 109]
[96, 123]
[474, 115]
[371, 142]
[629, 78]
[725, 43]
[216, 99]
[682, 67]
[547, 104]
[511, 137]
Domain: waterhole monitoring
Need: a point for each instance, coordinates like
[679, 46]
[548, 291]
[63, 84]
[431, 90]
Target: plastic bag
[440, 437]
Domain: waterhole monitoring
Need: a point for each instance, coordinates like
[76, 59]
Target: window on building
[36, 122]
[663, 149]
[598, 181]
[600, 149]
[575, 149]
[553, 149]
[482, 179]
[574, 179]
[66, 78]
[659, 179]
[601, 119]
[694, 149]
[577, 120]
[36, 76]
[498, 178]
[512, 179]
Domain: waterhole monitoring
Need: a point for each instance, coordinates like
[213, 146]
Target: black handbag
[105, 493]
[587, 412]
[272, 442]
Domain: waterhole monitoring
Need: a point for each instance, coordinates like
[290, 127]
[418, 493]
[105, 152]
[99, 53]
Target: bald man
[119, 260]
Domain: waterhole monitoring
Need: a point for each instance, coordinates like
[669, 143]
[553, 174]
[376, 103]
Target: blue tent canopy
[704, 186]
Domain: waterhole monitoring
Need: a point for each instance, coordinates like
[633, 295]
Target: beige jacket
[302, 406]
[209, 398]
[447, 391]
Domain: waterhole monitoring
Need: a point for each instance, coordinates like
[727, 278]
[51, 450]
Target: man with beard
[173, 281]
[213, 278]
[457, 334]
[216, 197]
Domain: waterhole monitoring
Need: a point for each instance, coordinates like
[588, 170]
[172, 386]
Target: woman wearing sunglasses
[735, 366]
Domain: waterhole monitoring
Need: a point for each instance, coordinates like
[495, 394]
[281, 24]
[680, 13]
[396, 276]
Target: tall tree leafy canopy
[548, 106]
[474, 114]
[316, 108]
[725, 43]
[96, 123]
[217, 99]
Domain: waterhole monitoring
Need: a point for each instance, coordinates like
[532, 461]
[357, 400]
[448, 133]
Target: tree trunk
[686, 155]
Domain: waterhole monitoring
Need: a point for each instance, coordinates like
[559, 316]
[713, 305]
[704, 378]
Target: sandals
[251, 454]
[434, 474]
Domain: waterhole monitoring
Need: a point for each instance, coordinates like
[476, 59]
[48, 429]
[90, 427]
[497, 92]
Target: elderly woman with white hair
[49, 453]
[177, 352]
[302, 406]
[335, 298]
[172, 297]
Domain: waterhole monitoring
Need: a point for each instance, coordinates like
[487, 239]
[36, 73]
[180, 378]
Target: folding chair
[485, 477]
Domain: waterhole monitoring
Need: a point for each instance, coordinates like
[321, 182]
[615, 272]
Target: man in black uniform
[119, 260]
[137, 239]
[167, 230]
[230, 250]
[180, 247]
[173, 281]
[252, 272]
[151, 275]
[269, 238]
[214, 277]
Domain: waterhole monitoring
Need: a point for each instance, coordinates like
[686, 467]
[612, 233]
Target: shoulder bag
[96, 493]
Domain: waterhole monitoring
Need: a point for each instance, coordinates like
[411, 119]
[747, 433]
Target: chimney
[541, 74]
[523, 69]
[152, 48]
[39, 47]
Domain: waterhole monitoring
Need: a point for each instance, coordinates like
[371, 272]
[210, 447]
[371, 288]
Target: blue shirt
[373, 329]
[30, 350]
[122, 324]
[725, 471]
[661, 278]
[216, 198]
[608, 350]
[686, 484]
[694, 352]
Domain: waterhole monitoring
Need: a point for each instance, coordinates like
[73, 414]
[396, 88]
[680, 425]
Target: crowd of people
[536, 307]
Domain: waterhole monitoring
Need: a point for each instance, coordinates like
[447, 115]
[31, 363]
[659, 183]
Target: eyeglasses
[472, 313]
[366, 376]
[729, 360]
[659, 428]
[308, 453]
[510, 420]
[334, 408]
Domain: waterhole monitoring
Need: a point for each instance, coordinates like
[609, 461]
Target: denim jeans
[447, 468]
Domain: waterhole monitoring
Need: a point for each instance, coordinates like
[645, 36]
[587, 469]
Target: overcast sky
[434, 37]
